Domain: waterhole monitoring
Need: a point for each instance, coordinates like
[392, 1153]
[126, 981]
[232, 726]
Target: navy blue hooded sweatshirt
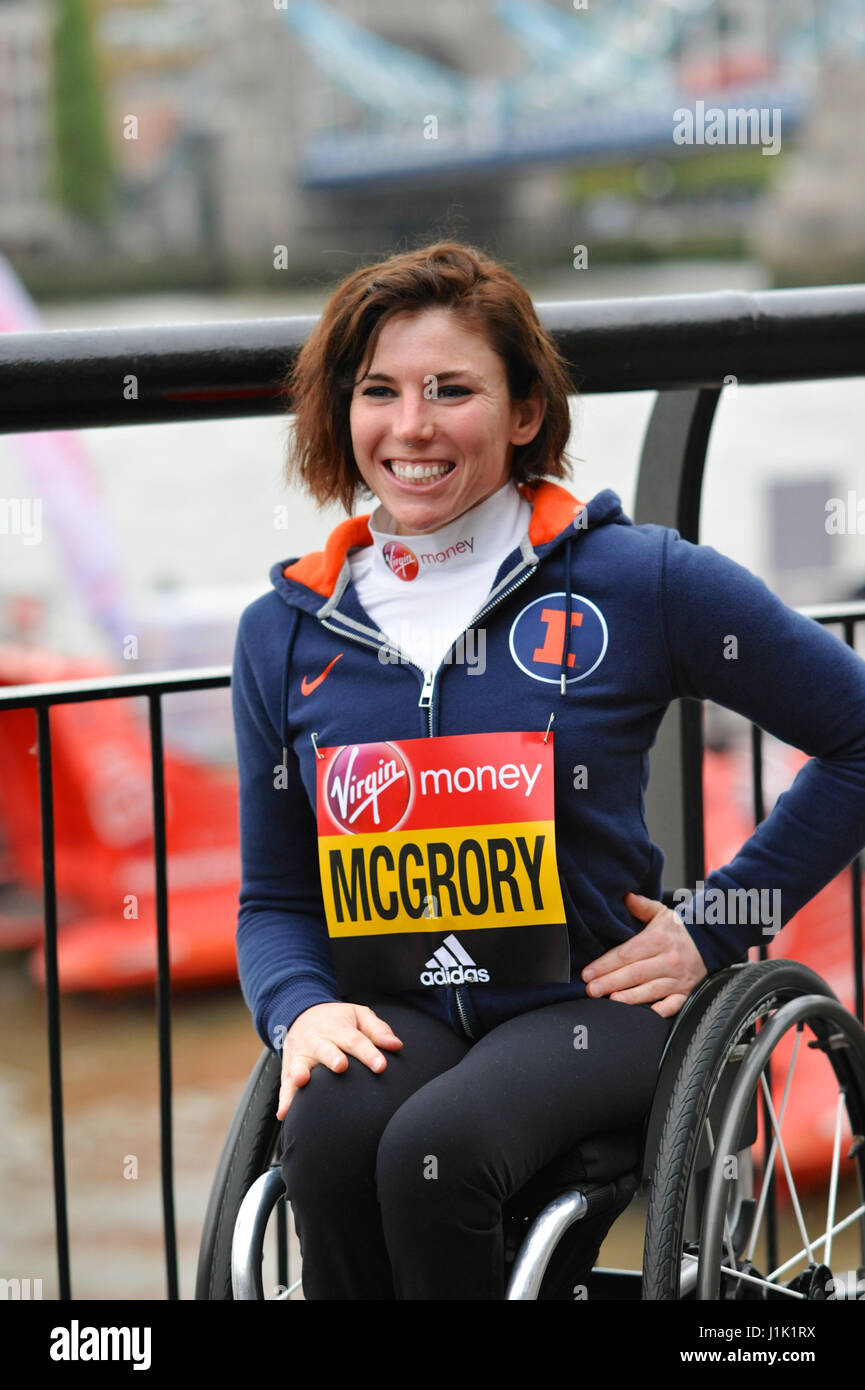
[656, 618]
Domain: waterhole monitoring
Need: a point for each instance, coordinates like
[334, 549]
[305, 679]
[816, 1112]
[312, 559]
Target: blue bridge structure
[598, 83]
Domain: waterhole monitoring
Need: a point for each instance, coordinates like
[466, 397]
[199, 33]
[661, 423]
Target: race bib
[438, 862]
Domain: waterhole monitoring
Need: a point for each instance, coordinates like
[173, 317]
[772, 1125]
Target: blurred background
[174, 160]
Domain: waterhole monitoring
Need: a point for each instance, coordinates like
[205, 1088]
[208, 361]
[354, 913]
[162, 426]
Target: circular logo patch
[400, 559]
[537, 638]
[368, 787]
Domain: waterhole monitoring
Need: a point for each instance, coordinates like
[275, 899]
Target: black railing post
[52, 998]
[669, 485]
[163, 993]
[759, 804]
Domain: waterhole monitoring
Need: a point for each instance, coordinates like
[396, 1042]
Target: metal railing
[41, 698]
[683, 346]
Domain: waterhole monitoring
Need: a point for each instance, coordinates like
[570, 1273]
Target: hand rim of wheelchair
[219, 1274]
[780, 995]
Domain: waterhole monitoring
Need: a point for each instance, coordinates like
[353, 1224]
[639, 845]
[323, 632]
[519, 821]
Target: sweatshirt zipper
[426, 702]
[426, 695]
[461, 1010]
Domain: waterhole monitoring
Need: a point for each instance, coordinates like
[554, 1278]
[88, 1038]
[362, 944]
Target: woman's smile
[419, 472]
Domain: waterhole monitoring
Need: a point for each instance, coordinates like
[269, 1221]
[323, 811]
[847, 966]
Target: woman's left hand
[658, 966]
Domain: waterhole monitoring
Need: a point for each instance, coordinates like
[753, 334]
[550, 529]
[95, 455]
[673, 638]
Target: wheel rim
[816, 1257]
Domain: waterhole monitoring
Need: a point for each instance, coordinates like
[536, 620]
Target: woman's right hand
[330, 1034]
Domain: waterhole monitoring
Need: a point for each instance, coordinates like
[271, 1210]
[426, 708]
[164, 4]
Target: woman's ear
[528, 415]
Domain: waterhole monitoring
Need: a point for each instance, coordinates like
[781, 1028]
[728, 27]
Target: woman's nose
[414, 420]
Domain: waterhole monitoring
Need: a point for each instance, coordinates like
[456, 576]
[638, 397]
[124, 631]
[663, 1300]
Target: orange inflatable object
[104, 840]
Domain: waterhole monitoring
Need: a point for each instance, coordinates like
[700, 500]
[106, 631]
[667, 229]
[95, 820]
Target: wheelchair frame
[715, 1056]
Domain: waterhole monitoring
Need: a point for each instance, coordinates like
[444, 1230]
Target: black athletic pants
[397, 1179]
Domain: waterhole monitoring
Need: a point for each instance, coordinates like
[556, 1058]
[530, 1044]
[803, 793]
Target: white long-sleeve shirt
[422, 591]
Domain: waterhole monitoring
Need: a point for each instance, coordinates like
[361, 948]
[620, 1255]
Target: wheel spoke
[727, 1233]
[833, 1181]
[750, 1278]
[286, 1294]
[764, 1191]
[821, 1240]
[762, 1283]
[794, 1196]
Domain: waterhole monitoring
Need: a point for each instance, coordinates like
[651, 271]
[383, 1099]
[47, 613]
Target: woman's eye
[456, 391]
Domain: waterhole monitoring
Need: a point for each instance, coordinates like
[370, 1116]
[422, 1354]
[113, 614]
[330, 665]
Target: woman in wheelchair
[450, 924]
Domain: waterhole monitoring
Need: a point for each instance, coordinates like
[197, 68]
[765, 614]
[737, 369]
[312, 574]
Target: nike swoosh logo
[307, 686]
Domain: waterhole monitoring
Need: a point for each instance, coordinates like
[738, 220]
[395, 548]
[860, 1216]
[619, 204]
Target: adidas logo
[451, 964]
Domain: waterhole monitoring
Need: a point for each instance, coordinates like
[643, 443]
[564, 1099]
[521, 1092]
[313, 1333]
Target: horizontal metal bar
[112, 687]
[83, 378]
[838, 612]
[207, 677]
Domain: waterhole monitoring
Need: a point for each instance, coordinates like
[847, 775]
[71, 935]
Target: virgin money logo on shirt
[406, 565]
[537, 638]
[400, 559]
[368, 787]
[441, 557]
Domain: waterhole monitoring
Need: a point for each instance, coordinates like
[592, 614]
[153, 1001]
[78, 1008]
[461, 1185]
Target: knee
[325, 1146]
[407, 1158]
[428, 1155]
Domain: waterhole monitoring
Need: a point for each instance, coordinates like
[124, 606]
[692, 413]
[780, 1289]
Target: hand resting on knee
[329, 1034]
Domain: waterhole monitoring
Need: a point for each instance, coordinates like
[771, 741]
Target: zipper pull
[426, 692]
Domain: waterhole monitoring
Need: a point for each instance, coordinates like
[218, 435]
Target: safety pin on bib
[315, 746]
[549, 725]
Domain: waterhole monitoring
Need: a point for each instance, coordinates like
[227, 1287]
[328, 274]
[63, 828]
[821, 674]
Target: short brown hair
[487, 298]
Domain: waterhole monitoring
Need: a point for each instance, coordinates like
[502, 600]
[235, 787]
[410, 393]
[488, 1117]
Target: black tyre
[247, 1152]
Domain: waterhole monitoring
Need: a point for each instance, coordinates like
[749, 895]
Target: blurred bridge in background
[596, 84]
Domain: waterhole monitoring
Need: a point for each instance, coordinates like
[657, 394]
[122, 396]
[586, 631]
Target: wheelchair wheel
[248, 1151]
[710, 1229]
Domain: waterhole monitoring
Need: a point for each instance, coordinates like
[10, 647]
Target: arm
[730, 639]
[283, 951]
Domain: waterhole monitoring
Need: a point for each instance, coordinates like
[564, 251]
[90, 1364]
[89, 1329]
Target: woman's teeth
[407, 471]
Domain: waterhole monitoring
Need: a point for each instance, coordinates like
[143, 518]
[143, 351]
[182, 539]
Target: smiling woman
[432, 904]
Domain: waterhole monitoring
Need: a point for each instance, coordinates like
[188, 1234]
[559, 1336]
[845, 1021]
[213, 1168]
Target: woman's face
[435, 394]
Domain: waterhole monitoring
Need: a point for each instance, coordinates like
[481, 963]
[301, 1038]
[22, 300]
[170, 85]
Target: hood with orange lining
[553, 512]
[315, 580]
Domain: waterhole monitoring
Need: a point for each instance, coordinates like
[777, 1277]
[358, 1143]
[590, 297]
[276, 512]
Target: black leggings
[397, 1179]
